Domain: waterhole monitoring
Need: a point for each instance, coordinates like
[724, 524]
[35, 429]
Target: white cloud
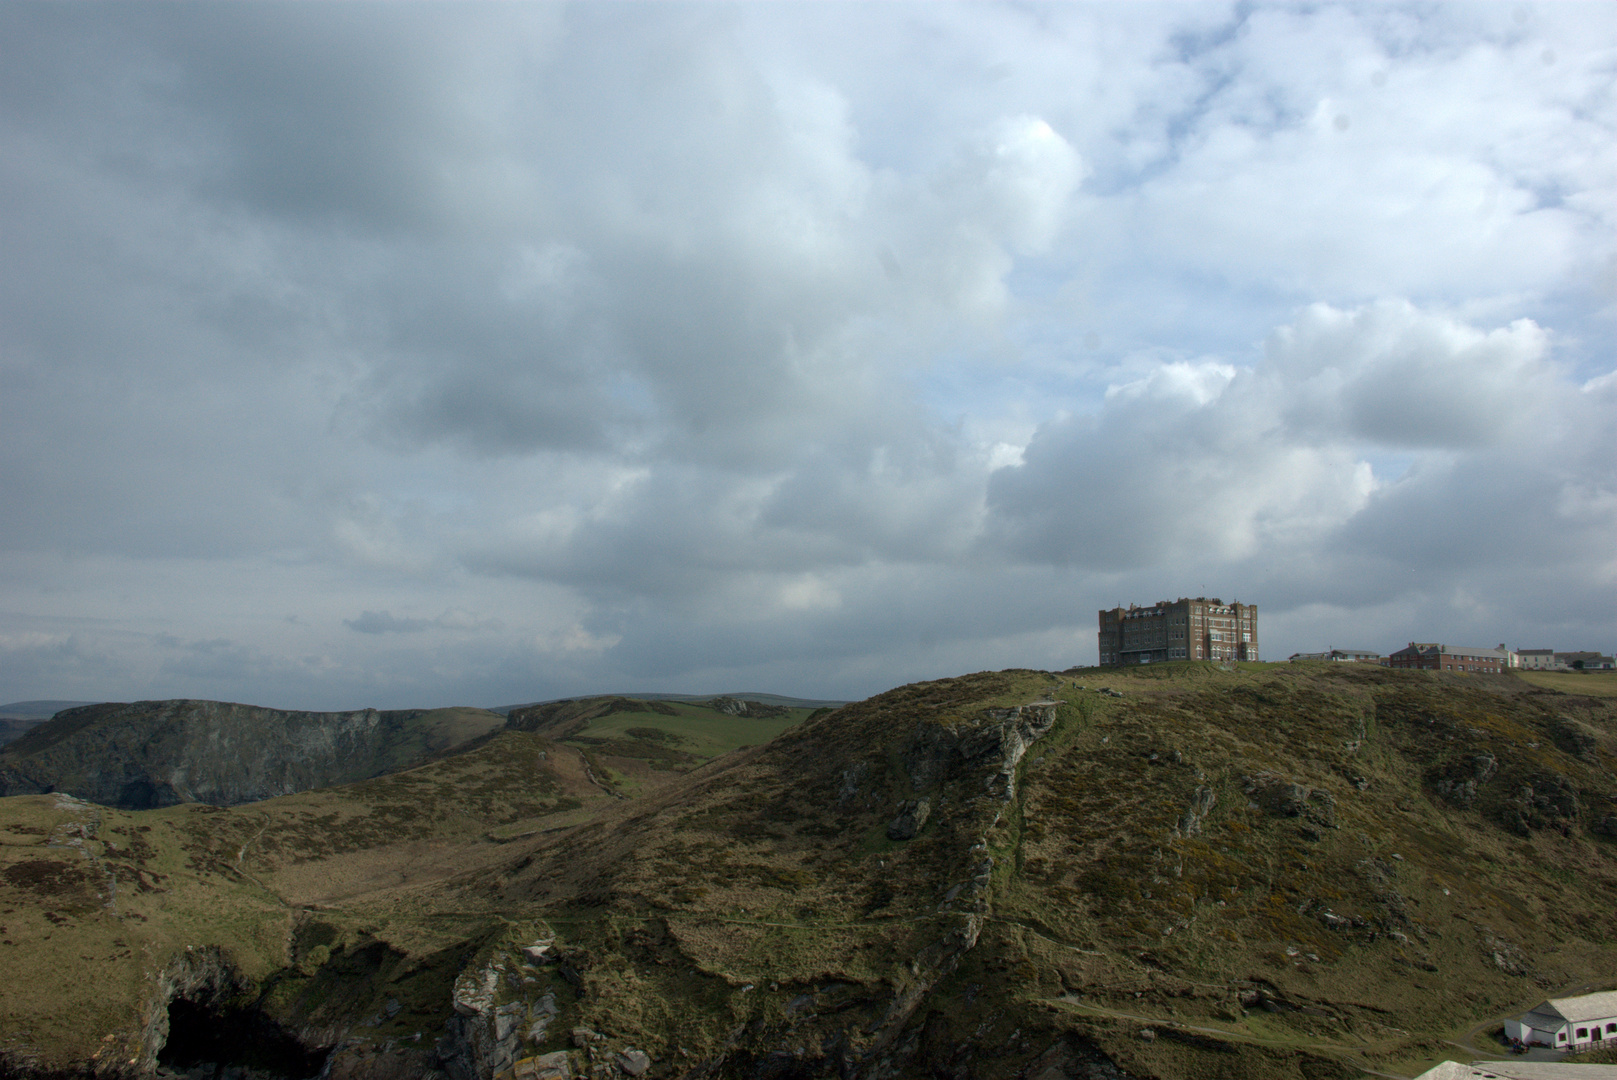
[1200, 462]
[1394, 376]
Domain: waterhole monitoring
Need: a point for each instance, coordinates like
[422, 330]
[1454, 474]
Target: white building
[1568, 1023]
[1537, 659]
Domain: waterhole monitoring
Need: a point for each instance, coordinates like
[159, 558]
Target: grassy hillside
[635, 745]
[1282, 871]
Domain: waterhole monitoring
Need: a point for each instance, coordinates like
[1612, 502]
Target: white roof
[1601, 1006]
[1449, 1070]
[1519, 1070]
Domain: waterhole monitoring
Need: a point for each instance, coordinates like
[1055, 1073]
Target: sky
[406, 355]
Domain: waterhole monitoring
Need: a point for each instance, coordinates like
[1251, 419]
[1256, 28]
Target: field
[699, 732]
[1591, 683]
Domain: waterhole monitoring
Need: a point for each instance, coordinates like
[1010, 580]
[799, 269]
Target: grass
[1590, 683]
[701, 733]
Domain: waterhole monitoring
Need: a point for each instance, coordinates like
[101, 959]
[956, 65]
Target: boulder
[633, 1062]
[474, 991]
[912, 814]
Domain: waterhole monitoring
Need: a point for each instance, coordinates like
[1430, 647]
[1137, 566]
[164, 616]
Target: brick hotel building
[1199, 629]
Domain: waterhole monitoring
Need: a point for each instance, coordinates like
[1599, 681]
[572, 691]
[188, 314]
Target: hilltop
[1286, 871]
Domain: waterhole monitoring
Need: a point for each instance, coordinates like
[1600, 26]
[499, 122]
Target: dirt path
[242, 854]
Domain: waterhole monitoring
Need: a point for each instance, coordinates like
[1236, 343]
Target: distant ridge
[21, 717]
[38, 710]
[764, 699]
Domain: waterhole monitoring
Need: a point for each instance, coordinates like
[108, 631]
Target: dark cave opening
[240, 1041]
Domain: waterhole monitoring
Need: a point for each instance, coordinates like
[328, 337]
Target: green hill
[1283, 871]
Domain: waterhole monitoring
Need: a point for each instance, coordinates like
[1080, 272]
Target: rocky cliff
[158, 753]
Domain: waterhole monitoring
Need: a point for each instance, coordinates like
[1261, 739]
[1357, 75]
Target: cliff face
[148, 754]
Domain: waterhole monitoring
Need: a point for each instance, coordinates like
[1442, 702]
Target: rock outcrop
[912, 814]
[1546, 801]
[1283, 797]
[991, 745]
[1458, 781]
[739, 707]
[1201, 804]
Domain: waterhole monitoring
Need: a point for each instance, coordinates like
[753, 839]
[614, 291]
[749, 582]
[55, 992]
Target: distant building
[1568, 1023]
[1550, 660]
[1583, 661]
[1342, 655]
[1431, 656]
[1199, 629]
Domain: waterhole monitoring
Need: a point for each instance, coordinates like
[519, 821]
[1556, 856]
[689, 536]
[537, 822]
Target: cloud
[384, 622]
[615, 345]
[1393, 376]
[1201, 461]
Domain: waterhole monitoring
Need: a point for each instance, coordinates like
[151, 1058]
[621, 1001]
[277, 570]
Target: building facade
[1431, 656]
[1537, 659]
[1186, 629]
